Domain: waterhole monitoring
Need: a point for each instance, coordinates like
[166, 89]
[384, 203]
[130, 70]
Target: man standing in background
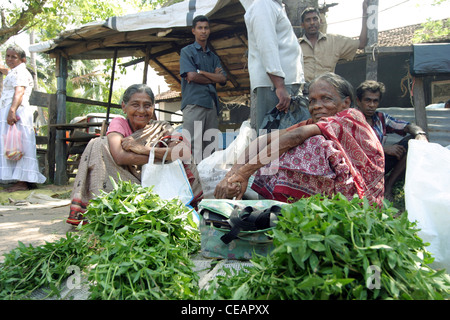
[275, 60]
[321, 52]
[200, 70]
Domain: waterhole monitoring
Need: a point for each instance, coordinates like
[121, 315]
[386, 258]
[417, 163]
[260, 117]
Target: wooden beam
[419, 104]
[174, 49]
[39, 99]
[92, 102]
[118, 39]
[397, 49]
[166, 70]
[229, 75]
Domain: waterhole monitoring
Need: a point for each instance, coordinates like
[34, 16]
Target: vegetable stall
[139, 247]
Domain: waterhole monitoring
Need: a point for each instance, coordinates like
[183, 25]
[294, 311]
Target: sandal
[75, 218]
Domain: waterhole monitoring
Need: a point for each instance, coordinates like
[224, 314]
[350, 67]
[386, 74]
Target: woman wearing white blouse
[15, 109]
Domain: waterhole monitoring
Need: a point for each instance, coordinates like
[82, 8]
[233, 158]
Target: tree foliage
[433, 31]
[50, 17]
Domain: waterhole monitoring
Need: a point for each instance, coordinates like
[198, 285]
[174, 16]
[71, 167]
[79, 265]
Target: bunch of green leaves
[136, 246]
[144, 245]
[28, 268]
[333, 249]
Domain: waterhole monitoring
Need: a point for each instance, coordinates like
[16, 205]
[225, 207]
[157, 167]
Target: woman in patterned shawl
[125, 148]
[334, 151]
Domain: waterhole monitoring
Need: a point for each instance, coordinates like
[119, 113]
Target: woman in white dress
[15, 109]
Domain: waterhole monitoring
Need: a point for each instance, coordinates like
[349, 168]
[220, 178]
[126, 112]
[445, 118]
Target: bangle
[421, 132]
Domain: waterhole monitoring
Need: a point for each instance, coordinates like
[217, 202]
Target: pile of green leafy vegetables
[338, 249]
[136, 246]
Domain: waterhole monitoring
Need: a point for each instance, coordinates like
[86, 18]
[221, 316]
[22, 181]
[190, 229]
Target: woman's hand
[232, 187]
[131, 145]
[12, 117]
[239, 183]
[224, 190]
[17, 101]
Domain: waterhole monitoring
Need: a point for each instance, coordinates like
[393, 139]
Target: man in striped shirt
[368, 97]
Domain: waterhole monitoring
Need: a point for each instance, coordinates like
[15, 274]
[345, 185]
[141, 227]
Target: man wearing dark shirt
[200, 70]
[368, 97]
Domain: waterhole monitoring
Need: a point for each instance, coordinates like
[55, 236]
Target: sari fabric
[97, 166]
[347, 158]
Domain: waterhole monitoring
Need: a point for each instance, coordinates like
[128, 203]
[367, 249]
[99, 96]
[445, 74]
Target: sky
[345, 18]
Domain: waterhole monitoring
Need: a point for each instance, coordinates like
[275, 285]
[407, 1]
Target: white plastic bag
[169, 180]
[213, 169]
[427, 197]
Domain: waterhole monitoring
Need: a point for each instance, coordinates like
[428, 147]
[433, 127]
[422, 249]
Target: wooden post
[111, 85]
[146, 62]
[51, 145]
[419, 104]
[372, 43]
[60, 145]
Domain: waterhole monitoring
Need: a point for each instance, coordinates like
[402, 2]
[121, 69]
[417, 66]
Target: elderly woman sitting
[334, 151]
[125, 149]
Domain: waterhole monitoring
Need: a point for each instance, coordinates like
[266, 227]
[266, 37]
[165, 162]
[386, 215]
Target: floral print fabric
[346, 158]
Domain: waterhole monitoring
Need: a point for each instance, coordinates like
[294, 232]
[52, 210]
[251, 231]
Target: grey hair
[342, 86]
[14, 47]
[137, 88]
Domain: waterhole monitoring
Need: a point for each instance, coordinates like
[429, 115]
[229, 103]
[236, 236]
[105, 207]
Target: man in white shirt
[275, 59]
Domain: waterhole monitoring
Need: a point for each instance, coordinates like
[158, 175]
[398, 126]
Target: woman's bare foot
[18, 186]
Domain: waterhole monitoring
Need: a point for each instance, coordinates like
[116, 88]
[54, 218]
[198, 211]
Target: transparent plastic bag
[13, 144]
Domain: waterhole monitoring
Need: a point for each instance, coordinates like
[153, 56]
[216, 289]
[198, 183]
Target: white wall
[169, 106]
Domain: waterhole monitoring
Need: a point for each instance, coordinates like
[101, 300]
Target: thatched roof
[160, 35]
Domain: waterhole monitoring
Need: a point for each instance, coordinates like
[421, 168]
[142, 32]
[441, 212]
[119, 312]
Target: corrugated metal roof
[438, 123]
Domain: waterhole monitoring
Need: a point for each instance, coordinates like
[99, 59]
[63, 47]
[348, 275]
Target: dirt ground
[33, 217]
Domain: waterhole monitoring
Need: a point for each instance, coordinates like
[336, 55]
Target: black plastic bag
[298, 112]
